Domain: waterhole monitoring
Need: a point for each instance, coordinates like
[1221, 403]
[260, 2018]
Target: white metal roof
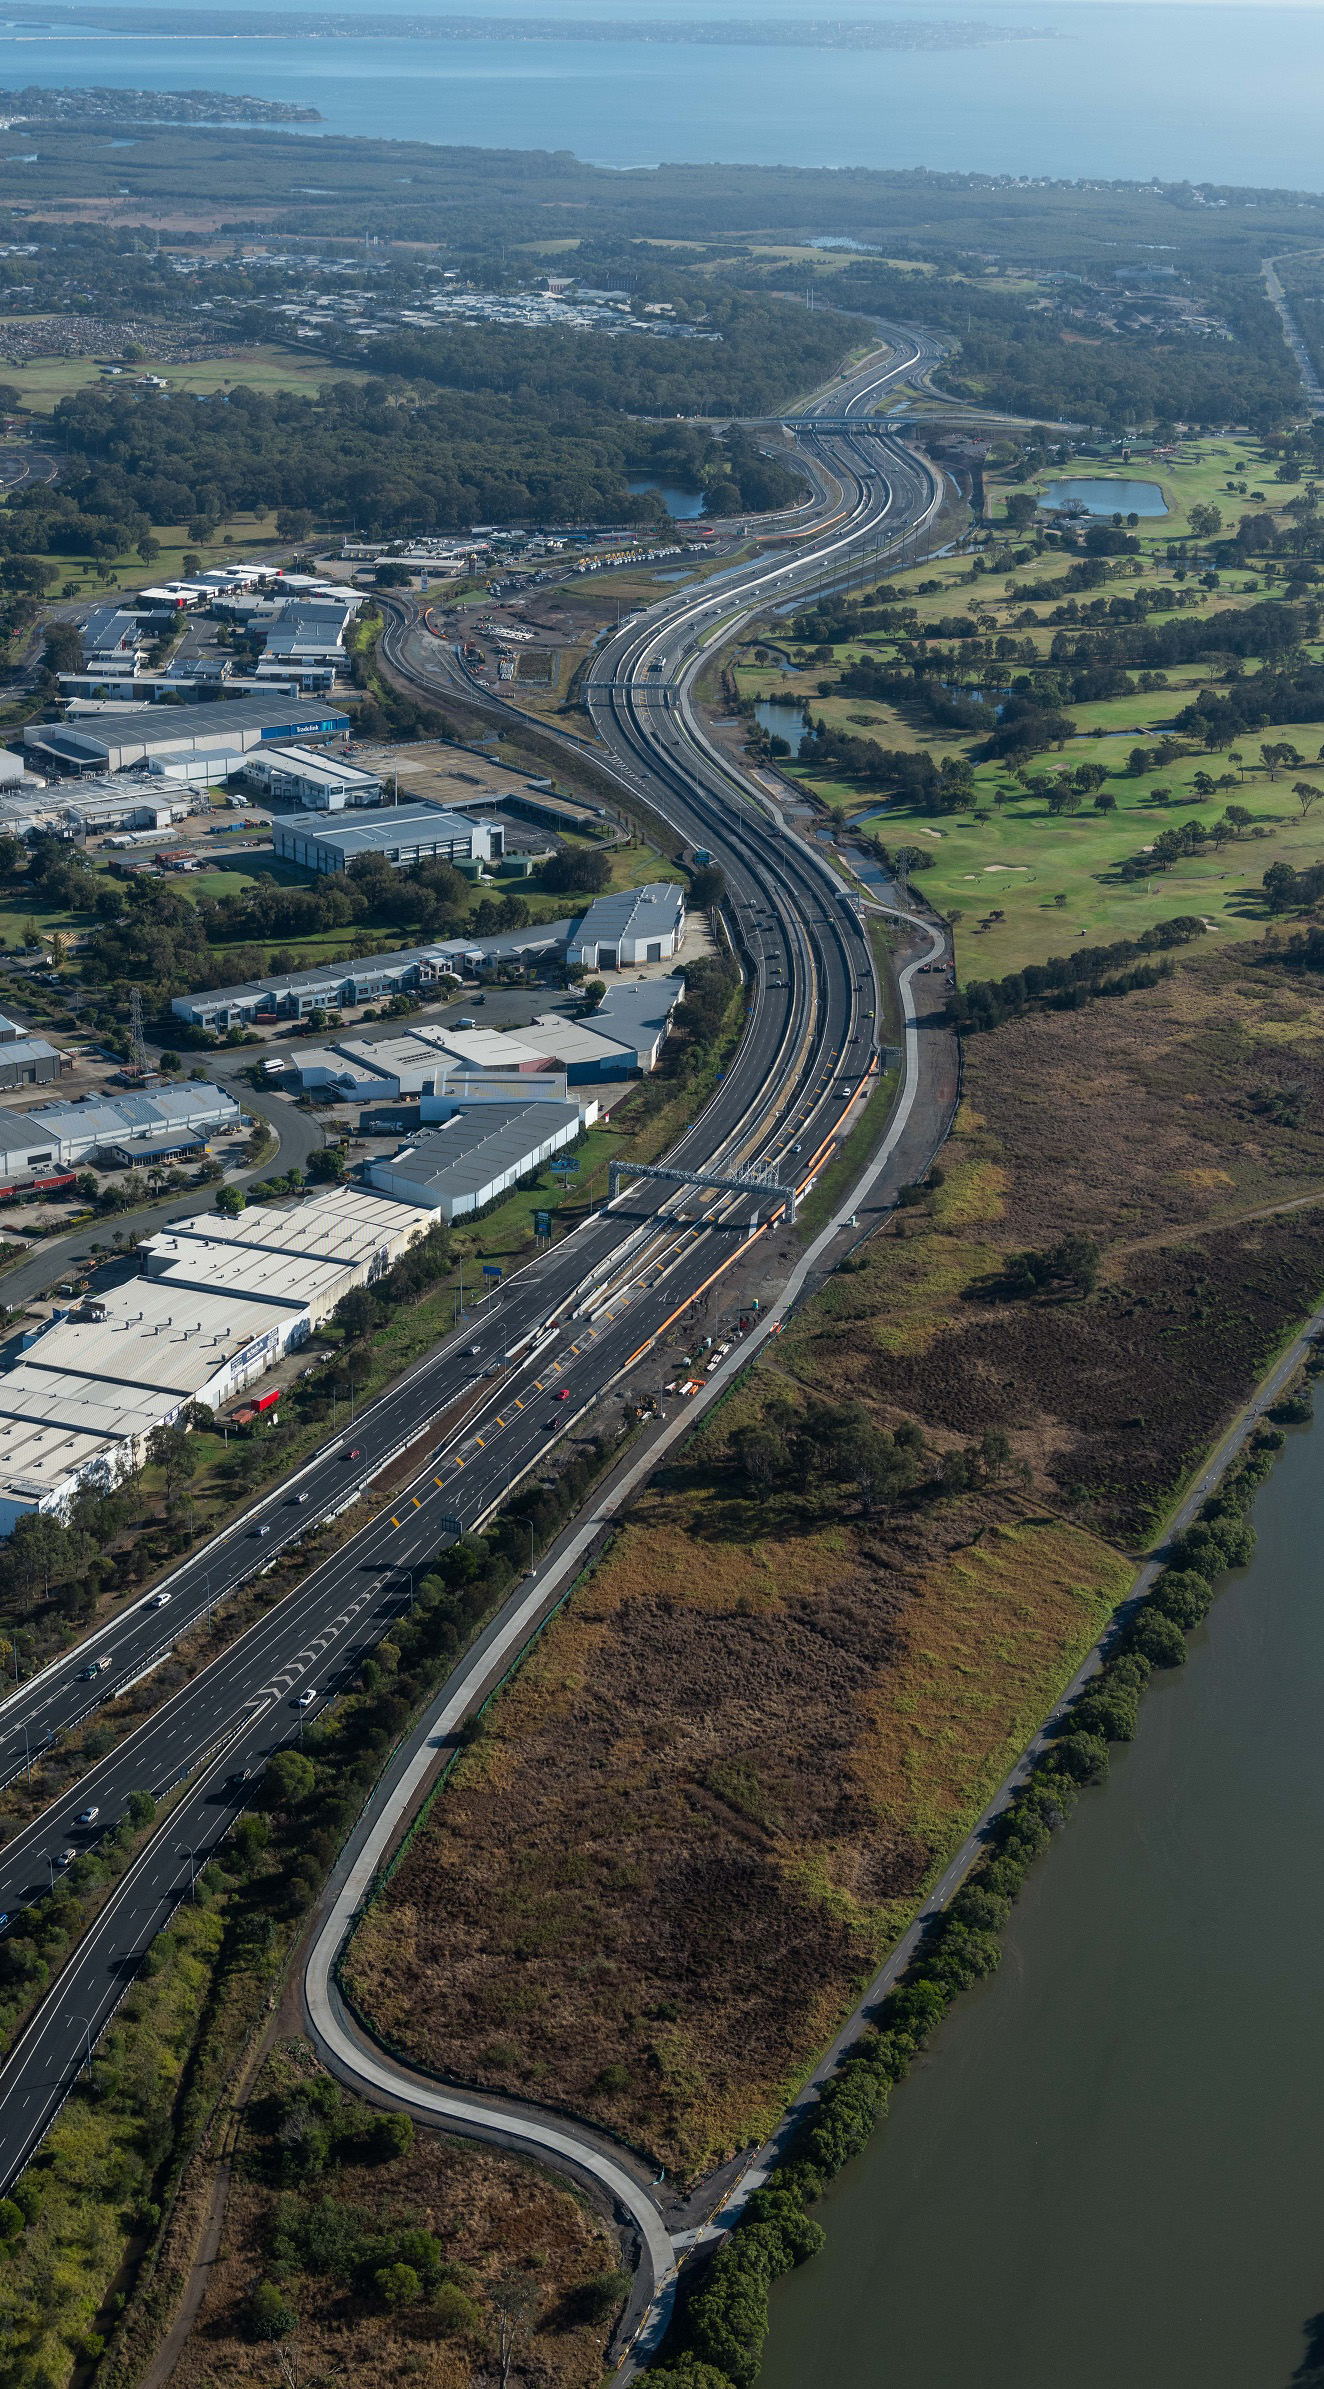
[281, 1280]
[37, 1460]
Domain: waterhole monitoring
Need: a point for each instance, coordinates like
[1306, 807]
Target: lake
[1122, 88]
[1106, 497]
[1109, 2168]
[683, 505]
[782, 721]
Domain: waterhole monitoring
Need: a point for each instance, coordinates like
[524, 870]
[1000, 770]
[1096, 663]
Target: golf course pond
[1106, 497]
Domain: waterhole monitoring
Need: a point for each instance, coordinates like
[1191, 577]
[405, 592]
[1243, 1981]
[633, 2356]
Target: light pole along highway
[575, 1319]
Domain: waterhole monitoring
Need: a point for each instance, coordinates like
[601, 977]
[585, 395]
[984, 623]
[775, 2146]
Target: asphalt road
[574, 1320]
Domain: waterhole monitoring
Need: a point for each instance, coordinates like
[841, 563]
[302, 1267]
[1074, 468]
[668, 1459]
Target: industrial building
[115, 739]
[400, 834]
[53, 1137]
[324, 783]
[633, 925]
[637, 1016]
[25, 1061]
[361, 1232]
[329, 986]
[42, 1467]
[476, 1155]
[132, 805]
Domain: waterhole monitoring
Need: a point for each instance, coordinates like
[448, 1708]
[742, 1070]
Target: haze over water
[1123, 89]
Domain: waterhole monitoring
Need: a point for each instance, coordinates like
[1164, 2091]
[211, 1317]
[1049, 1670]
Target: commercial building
[479, 1153]
[324, 783]
[633, 925]
[330, 986]
[109, 634]
[400, 834]
[114, 739]
[60, 1136]
[637, 1017]
[582, 1051]
[136, 1358]
[129, 806]
[361, 1232]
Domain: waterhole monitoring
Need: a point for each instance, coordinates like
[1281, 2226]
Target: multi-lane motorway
[490, 1401]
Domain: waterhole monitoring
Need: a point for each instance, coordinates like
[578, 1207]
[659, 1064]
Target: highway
[570, 1323]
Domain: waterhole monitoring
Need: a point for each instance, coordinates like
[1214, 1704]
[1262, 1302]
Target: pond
[782, 721]
[683, 505]
[1104, 497]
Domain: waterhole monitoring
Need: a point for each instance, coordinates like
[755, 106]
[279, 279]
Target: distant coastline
[102, 104]
[792, 33]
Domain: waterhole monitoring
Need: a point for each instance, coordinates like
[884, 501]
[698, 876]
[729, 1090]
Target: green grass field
[48, 379]
[1052, 879]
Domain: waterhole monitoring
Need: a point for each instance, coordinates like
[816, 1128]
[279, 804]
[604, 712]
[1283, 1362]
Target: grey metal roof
[651, 911]
[475, 1147]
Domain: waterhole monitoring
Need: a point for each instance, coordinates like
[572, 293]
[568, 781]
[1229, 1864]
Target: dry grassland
[720, 1786]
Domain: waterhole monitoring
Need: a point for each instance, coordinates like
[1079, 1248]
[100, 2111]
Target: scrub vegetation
[718, 1789]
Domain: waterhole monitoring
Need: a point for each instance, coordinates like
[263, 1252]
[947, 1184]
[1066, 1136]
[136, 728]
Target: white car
[156, 1601]
[66, 1857]
[306, 1699]
[88, 1816]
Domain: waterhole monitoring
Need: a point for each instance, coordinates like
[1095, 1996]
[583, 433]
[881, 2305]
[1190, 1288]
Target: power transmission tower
[137, 1047]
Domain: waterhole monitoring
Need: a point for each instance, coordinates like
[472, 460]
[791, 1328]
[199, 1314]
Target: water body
[1109, 2169]
[1107, 497]
[782, 721]
[683, 505]
[1123, 88]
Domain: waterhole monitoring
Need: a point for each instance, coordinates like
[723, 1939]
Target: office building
[323, 783]
[400, 834]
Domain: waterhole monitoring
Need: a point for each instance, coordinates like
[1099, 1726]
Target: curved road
[572, 1321]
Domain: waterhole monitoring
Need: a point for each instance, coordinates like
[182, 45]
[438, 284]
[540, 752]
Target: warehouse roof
[290, 1281]
[472, 1149]
[35, 1460]
[574, 1040]
[154, 1337]
[652, 911]
[344, 1225]
[84, 1405]
[391, 825]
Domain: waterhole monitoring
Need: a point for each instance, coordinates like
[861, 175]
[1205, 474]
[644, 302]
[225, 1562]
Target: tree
[1105, 801]
[707, 887]
[393, 576]
[231, 1199]
[1305, 795]
[293, 522]
[514, 2302]
[327, 1166]
[579, 871]
[64, 649]
[139, 1810]
[356, 1313]
[760, 1452]
[1020, 509]
[289, 1779]
[192, 562]
[1206, 521]
[397, 2285]
[169, 1449]
[270, 2314]
[594, 990]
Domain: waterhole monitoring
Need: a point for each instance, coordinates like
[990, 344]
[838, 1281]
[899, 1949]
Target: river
[1228, 93]
[1108, 2169]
